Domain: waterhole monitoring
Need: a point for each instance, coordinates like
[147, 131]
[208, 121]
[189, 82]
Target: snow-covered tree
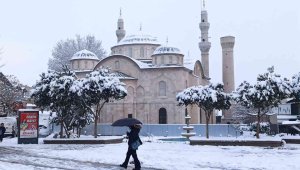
[11, 92]
[53, 90]
[73, 99]
[207, 97]
[295, 87]
[267, 93]
[241, 114]
[41, 90]
[65, 49]
[98, 88]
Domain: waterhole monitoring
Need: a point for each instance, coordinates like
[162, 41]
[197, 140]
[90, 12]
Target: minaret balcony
[204, 46]
[204, 26]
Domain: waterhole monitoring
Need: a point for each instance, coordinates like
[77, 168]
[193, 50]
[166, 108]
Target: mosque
[155, 73]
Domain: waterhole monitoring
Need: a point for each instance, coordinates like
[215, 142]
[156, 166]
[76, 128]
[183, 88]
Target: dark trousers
[1, 138]
[132, 153]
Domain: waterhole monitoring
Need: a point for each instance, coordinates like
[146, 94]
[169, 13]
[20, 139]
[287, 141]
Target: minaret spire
[167, 41]
[120, 32]
[204, 44]
[203, 4]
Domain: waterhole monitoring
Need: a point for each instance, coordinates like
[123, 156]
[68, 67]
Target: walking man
[2, 131]
[134, 138]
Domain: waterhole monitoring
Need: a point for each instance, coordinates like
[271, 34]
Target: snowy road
[153, 154]
[20, 158]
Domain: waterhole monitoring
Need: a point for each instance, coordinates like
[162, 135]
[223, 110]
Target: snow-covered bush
[264, 127]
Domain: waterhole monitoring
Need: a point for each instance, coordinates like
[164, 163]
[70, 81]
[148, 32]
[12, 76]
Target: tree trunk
[95, 126]
[258, 125]
[61, 128]
[207, 122]
[66, 130]
[79, 132]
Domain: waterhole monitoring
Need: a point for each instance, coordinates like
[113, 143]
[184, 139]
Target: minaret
[120, 32]
[204, 45]
[227, 44]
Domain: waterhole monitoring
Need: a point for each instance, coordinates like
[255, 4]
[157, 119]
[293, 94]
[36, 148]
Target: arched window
[162, 88]
[170, 59]
[162, 60]
[130, 93]
[162, 116]
[117, 65]
[85, 64]
[142, 52]
[176, 60]
[78, 65]
[130, 51]
[140, 93]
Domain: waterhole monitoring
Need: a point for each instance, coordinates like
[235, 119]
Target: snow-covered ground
[154, 154]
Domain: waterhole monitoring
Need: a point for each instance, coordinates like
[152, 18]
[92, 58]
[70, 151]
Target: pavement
[21, 156]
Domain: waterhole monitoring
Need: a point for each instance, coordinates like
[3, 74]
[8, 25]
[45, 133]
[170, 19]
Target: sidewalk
[16, 158]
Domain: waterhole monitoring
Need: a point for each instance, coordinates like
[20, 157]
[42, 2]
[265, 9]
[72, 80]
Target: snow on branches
[266, 93]
[207, 97]
[65, 94]
[295, 87]
[102, 85]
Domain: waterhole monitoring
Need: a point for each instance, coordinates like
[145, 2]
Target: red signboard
[29, 124]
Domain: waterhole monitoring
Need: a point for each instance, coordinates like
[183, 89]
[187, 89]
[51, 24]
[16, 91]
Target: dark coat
[2, 131]
[133, 135]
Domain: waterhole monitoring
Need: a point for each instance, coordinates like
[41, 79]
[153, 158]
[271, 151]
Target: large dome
[139, 38]
[166, 50]
[84, 54]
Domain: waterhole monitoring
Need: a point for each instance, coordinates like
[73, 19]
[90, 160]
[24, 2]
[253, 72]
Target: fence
[216, 130]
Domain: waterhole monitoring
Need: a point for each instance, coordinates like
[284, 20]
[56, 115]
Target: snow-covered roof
[30, 105]
[167, 50]
[85, 54]
[139, 38]
[139, 63]
[296, 122]
[121, 75]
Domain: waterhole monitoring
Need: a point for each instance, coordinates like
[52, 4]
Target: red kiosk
[28, 126]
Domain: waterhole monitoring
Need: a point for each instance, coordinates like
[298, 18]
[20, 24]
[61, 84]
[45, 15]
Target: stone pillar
[227, 44]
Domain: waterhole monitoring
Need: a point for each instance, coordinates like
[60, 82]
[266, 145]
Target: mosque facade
[154, 74]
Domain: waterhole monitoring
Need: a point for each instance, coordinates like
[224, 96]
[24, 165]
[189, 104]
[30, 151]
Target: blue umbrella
[126, 122]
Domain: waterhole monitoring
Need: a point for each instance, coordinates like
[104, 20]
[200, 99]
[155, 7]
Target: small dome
[139, 38]
[84, 54]
[167, 50]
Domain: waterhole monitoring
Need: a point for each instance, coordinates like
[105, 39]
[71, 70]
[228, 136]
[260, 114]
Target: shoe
[136, 169]
[124, 166]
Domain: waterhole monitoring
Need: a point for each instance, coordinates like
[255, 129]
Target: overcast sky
[267, 32]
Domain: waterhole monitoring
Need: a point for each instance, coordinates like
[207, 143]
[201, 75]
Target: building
[287, 116]
[153, 74]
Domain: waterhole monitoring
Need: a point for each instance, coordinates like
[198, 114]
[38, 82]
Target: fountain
[188, 128]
